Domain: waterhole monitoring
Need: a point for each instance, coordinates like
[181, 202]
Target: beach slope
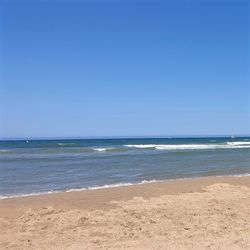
[204, 213]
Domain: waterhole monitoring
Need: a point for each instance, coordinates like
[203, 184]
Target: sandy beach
[203, 213]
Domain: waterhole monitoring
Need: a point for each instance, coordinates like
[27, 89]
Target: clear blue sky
[124, 68]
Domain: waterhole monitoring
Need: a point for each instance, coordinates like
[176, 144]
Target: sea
[33, 167]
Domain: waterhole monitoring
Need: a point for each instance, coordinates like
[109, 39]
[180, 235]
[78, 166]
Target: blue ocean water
[41, 166]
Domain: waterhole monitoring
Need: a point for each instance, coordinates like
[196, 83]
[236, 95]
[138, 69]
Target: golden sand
[205, 213]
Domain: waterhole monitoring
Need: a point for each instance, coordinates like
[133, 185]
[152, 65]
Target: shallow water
[41, 166]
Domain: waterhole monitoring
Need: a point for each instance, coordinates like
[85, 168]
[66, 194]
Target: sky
[75, 69]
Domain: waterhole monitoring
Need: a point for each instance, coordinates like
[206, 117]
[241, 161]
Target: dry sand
[204, 213]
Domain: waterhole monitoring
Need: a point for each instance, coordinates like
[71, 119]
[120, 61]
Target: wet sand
[202, 213]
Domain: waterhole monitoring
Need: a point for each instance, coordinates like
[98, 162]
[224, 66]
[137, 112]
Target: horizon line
[124, 137]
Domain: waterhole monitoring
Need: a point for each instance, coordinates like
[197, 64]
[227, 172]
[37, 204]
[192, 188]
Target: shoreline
[116, 185]
[200, 213]
[100, 198]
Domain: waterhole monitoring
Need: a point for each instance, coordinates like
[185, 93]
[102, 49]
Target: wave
[101, 187]
[236, 143]
[2, 151]
[122, 184]
[114, 149]
[42, 152]
[228, 145]
[2, 197]
[92, 149]
[172, 147]
[66, 144]
[102, 149]
[80, 189]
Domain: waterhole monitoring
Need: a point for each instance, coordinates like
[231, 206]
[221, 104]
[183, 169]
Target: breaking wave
[103, 149]
[239, 143]
[2, 197]
[66, 144]
[81, 189]
[226, 145]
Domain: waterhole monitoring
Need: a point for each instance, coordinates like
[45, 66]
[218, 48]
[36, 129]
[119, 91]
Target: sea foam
[102, 149]
[227, 145]
[2, 197]
[79, 189]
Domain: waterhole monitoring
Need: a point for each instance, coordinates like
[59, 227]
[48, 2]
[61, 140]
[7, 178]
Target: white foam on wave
[110, 186]
[102, 149]
[173, 146]
[99, 187]
[123, 184]
[237, 143]
[80, 189]
[237, 175]
[2, 197]
[190, 146]
[65, 144]
[4, 151]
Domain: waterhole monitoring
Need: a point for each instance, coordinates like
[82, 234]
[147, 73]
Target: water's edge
[116, 185]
